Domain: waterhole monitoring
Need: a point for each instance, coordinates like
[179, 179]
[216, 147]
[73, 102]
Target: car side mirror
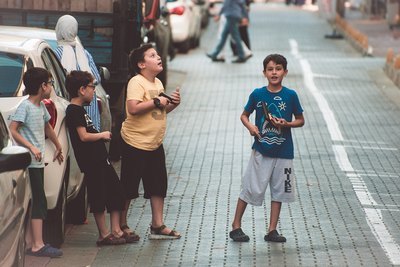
[14, 158]
[104, 73]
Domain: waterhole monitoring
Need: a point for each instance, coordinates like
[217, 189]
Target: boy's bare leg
[37, 234]
[240, 209]
[157, 211]
[100, 219]
[274, 215]
[114, 220]
[124, 214]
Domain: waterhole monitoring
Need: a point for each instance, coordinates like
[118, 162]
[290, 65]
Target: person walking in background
[142, 132]
[103, 184]
[244, 35]
[235, 13]
[73, 56]
[271, 161]
[29, 126]
[220, 56]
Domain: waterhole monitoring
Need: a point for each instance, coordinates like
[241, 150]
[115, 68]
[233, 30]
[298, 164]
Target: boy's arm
[136, 107]
[251, 127]
[14, 127]
[84, 136]
[53, 138]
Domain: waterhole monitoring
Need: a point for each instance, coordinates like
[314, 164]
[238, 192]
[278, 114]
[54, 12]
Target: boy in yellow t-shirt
[142, 133]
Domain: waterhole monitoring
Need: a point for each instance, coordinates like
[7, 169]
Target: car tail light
[99, 105]
[51, 108]
[179, 10]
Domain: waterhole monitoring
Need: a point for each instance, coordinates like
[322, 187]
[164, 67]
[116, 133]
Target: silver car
[63, 183]
[15, 199]
[50, 37]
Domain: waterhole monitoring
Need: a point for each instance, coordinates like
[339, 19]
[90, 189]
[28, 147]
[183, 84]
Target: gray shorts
[260, 172]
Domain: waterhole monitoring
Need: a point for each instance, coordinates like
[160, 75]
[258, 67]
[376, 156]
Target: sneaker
[274, 236]
[46, 251]
[215, 59]
[240, 60]
[238, 235]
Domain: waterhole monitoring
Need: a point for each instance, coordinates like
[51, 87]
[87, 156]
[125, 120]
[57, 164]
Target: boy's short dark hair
[33, 78]
[75, 80]
[277, 58]
[136, 56]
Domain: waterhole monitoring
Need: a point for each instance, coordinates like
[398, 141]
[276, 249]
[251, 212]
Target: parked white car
[50, 37]
[63, 183]
[15, 198]
[185, 18]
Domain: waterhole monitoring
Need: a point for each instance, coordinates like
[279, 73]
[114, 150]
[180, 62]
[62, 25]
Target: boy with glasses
[29, 126]
[104, 188]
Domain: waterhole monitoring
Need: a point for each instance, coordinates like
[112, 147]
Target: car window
[11, 71]
[53, 65]
[4, 136]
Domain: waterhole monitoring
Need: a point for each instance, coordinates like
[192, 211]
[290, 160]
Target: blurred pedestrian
[244, 35]
[143, 156]
[73, 56]
[221, 56]
[271, 161]
[235, 13]
[29, 127]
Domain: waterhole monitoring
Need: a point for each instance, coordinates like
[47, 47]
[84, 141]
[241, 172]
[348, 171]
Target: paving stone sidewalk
[346, 162]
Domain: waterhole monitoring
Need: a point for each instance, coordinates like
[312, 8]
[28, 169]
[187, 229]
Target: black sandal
[238, 235]
[157, 234]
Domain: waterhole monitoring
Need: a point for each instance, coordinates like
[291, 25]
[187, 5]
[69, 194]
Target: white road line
[373, 216]
[373, 147]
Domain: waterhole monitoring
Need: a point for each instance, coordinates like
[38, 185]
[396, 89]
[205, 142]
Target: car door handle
[14, 183]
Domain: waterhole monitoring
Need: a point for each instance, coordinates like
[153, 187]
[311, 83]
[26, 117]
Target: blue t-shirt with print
[274, 142]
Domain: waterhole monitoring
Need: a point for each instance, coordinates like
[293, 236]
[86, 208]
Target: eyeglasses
[92, 85]
[51, 82]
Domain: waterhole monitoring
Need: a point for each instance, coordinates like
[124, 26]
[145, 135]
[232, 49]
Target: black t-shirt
[87, 154]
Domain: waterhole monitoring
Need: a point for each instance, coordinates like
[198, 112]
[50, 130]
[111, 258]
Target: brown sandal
[129, 235]
[111, 240]
[157, 234]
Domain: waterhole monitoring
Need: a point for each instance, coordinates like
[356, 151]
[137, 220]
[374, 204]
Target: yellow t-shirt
[145, 131]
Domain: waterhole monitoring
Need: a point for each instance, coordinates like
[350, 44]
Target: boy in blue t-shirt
[29, 126]
[271, 161]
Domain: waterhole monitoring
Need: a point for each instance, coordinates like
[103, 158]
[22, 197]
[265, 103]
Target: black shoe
[238, 235]
[274, 236]
[215, 59]
[240, 60]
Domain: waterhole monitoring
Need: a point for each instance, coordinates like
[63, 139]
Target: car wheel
[54, 224]
[77, 208]
[184, 46]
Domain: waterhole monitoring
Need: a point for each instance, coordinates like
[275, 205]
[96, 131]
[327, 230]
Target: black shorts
[39, 201]
[149, 166]
[104, 188]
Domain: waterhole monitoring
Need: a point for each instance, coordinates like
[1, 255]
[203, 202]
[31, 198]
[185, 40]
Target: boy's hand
[106, 135]
[279, 122]
[163, 101]
[36, 152]
[176, 97]
[58, 155]
[254, 131]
